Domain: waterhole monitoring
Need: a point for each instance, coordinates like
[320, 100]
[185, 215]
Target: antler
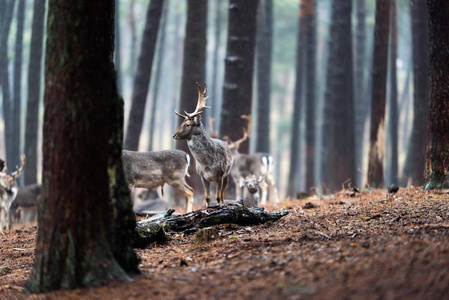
[213, 133]
[246, 131]
[201, 101]
[19, 170]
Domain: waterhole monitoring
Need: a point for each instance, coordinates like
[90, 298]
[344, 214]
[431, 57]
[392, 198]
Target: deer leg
[273, 190]
[223, 187]
[187, 191]
[264, 187]
[206, 186]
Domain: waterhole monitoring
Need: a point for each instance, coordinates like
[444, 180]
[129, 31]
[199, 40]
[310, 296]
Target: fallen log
[154, 229]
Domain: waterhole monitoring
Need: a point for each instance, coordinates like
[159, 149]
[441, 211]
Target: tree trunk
[264, 50]
[17, 84]
[360, 101]
[34, 92]
[6, 12]
[378, 96]
[160, 58]
[415, 161]
[132, 28]
[437, 162]
[217, 34]
[239, 68]
[117, 59]
[338, 136]
[143, 75]
[294, 173]
[193, 70]
[310, 94]
[393, 111]
[81, 144]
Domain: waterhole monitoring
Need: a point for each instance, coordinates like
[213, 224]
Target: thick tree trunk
[378, 98]
[239, 68]
[34, 92]
[17, 84]
[415, 161]
[437, 162]
[81, 147]
[143, 75]
[264, 50]
[151, 230]
[338, 135]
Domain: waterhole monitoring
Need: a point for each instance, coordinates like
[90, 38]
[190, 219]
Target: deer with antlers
[8, 192]
[213, 156]
[246, 165]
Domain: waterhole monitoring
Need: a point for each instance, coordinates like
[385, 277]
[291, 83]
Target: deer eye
[188, 125]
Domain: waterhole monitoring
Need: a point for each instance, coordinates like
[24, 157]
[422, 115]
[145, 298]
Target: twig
[12, 287]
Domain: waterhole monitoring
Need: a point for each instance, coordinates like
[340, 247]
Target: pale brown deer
[213, 157]
[245, 165]
[251, 194]
[8, 192]
[156, 168]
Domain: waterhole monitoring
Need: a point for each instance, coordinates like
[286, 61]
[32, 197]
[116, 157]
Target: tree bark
[393, 111]
[264, 54]
[338, 136]
[416, 154]
[239, 68]
[437, 161]
[143, 75]
[81, 146]
[149, 231]
[34, 92]
[378, 96]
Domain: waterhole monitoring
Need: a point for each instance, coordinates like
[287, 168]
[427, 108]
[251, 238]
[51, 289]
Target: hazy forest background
[323, 74]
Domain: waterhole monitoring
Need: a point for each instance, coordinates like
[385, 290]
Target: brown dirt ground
[372, 246]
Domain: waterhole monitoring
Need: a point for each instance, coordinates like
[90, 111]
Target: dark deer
[213, 157]
[245, 165]
[8, 192]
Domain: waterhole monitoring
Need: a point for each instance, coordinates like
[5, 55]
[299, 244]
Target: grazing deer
[8, 192]
[251, 194]
[258, 164]
[213, 157]
[153, 169]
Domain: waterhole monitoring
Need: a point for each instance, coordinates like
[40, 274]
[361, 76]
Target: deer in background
[258, 164]
[8, 192]
[154, 169]
[213, 157]
[251, 194]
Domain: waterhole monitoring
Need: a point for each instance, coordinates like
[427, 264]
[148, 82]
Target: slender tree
[437, 161]
[34, 92]
[81, 148]
[217, 37]
[193, 67]
[239, 68]
[6, 12]
[16, 134]
[264, 50]
[393, 108]
[160, 58]
[117, 53]
[311, 49]
[132, 28]
[360, 99]
[338, 136]
[143, 74]
[378, 96]
[299, 80]
[416, 154]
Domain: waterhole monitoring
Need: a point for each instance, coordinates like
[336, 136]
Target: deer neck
[201, 145]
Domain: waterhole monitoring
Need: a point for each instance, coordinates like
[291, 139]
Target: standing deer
[258, 164]
[153, 169]
[213, 157]
[8, 192]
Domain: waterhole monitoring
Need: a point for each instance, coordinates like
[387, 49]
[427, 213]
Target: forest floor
[371, 246]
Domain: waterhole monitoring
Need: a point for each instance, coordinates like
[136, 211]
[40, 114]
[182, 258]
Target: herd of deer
[216, 160]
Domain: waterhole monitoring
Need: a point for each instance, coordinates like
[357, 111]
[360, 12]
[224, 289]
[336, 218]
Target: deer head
[251, 183]
[192, 120]
[9, 180]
